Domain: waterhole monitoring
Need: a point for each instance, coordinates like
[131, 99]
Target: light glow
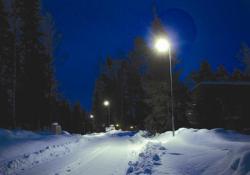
[91, 116]
[161, 45]
[106, 103]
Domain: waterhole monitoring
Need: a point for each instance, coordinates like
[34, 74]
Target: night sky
[93, 29]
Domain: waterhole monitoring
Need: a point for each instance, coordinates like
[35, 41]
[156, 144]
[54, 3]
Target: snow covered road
[191, 152]
[104, 154]
[98, 156]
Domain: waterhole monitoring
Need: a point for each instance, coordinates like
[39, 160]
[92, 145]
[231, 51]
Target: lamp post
[91, 116]
[163, 46]
[107, 105]
[92, 121]
[117, 125]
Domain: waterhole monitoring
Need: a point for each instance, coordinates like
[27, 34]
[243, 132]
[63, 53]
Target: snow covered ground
[191, 151]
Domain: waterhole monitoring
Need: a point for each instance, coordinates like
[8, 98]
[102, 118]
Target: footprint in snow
[162, 148]
[141, 155]
[147, 171]
[157, 163]
[176, 154]
[156, 157]
[156, 160]
[163, 153]
[26, 156]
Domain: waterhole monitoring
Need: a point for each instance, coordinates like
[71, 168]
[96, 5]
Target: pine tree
[205, 73]
[49, 40]
[244, 57]
[17, 62]
[104, 90]
[221, 74]
[6, 69]
[37, 70]
[156, 83]
[62, 114]
[132, 106]
[237, 75]
[120, 83]
[139, 64]
[158, 118]
[97, 108]
[139, 55]
[77, 119]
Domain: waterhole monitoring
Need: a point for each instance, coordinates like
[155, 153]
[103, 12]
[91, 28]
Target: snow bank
[195, 152]
[191, 151]
[25, 152]
[21, 149]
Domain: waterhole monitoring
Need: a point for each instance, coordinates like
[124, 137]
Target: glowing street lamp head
[117, 125]
[161, 45]
[106, 103]
[91, 116]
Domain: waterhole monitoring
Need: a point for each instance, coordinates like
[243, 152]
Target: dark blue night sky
[93, 29]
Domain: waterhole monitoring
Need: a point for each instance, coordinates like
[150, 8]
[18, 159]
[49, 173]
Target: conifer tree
[97, 108]
[104, 90]
[6, 68]
[156, 83]
[237, 75]
[244, 57]
[77, 119]
[37, 69]
[205, 73]
[17, 62]
[62, 114]
[221, 74]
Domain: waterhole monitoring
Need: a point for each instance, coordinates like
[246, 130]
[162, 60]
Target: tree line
[28, 90]
[136, 84]
[138, 88]
[220, 98]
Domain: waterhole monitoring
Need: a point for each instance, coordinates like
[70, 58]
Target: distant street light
[106, 103]
[163, 46]
[92, 121]
[117, 125]
[131, 127]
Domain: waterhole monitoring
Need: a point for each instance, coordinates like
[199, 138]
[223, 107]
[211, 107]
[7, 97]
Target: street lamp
[163, 46]
[91, 116]
[107, 105]
[92, 121]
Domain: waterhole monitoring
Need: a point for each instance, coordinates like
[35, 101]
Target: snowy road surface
[191, 152]
[98, 156]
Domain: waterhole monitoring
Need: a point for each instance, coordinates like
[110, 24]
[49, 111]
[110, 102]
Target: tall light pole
[91, 116]
[107, 105]
[163, 46]
[92, 121]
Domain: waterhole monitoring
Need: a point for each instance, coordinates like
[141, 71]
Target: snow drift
[191, 151]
